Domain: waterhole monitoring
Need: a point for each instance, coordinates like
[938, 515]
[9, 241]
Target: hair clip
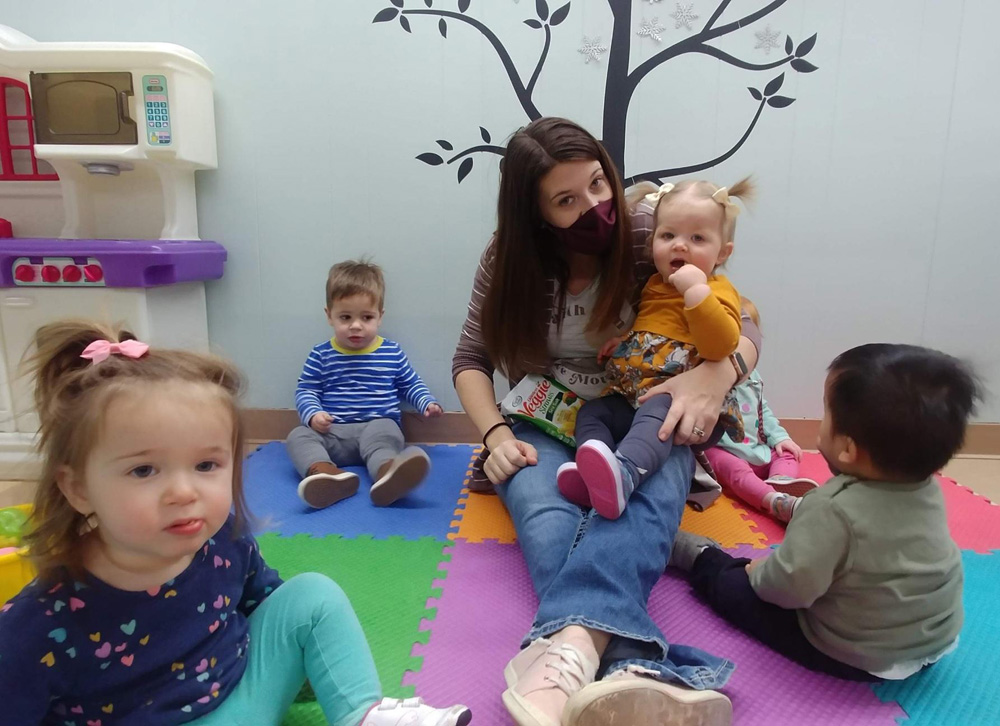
[655, 197]
[721, 195]
[101, 350]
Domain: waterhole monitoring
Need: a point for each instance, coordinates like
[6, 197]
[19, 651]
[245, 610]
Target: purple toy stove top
[107, 262]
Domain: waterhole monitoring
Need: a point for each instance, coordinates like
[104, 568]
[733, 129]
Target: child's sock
[632, 475]
[686, 548]
[781, 506]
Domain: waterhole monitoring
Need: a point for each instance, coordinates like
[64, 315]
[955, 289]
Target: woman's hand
[508, 458]
[697, 399]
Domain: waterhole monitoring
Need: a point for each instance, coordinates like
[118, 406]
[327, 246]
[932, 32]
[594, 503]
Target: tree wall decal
[620, 83]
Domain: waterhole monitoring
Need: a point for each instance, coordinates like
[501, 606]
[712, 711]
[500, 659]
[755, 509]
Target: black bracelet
[491, 429]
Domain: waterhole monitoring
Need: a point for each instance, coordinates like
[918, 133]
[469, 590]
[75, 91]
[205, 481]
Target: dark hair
[355, 277]
[515, 318]
[72, 396]
[907, 407]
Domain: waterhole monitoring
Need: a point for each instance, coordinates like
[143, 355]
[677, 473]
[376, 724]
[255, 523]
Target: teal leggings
[305, 628]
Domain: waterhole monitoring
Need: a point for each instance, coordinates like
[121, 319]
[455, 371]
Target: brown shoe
[325, 484]
[400, 475]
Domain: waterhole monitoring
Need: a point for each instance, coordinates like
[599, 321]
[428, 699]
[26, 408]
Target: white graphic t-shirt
[574, 350]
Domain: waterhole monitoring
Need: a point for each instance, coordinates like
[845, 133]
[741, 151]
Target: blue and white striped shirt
[359, 386]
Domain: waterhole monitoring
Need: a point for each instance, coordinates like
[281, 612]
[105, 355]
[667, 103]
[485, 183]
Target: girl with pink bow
[152, 603]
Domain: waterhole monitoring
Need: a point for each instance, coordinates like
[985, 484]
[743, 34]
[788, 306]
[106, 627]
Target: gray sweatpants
[371, 443]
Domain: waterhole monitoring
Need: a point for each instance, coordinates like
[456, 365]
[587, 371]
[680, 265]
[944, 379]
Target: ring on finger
[698, 432]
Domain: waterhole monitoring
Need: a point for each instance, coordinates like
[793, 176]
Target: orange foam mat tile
[727, 523]
[483, 517]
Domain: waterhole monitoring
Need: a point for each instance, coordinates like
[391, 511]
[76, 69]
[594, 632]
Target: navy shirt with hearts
[87, 654]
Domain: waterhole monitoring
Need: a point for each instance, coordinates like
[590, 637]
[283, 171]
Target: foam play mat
[444, 597]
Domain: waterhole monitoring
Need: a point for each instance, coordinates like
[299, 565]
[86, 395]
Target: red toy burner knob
[93, 273]
[50, 273]
[71, 273]
[24, 273]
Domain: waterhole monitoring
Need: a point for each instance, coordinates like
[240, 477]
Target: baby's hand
[686, 278]
[433, 411]
[790, 447]
[608, 348]
[320, 422]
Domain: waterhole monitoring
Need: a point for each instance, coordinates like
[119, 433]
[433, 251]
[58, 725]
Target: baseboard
[267, 424]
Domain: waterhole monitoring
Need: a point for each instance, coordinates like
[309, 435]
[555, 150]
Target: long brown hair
[515, 316]
[71, 397]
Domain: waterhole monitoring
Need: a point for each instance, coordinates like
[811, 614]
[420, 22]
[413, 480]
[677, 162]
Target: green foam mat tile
[390, 600]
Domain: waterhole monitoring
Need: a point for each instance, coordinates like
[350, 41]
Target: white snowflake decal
[684, 16]
[592, 49]
[651, 29]
[767, 39]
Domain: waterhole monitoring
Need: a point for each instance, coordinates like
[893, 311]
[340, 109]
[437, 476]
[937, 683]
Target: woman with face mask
[560, 276]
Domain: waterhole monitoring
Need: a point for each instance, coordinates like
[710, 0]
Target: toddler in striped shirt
[348, 399]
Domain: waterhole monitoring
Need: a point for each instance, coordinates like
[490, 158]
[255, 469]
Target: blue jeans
[598, 573]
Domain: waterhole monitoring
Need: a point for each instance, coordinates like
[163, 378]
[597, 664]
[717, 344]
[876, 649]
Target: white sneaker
[629, 697]
[414, 712]
[797, 486]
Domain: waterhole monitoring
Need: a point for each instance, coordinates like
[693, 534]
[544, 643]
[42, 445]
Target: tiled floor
[979, 473]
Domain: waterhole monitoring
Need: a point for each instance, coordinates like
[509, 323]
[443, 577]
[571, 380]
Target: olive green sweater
[872, 570]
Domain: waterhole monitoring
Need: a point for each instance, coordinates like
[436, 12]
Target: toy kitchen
[99, 144]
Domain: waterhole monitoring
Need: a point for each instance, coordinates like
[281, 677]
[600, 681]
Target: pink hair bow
[100, 350]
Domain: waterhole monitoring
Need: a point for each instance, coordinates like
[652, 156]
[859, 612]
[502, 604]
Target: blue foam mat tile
[960, 689]
[271, 483]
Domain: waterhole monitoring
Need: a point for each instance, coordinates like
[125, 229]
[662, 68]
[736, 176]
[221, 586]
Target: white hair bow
[655, 197]
[721, 195]
[729, 207]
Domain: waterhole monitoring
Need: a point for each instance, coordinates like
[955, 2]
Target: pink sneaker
[571, 485]
[602, 473]
[414, 712]
[629, 697]
[540, 680]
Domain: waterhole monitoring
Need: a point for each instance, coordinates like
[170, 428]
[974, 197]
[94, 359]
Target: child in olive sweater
[867, 584]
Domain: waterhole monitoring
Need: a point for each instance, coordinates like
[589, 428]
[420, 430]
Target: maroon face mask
[591, 234]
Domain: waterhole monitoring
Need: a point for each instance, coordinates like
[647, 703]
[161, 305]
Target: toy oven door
[82, 108]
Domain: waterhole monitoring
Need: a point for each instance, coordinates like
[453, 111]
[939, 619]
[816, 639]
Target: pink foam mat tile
[487, 605]
[766, 688]
[973, 519]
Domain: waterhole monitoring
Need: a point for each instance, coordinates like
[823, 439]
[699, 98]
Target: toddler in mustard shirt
[687, 314]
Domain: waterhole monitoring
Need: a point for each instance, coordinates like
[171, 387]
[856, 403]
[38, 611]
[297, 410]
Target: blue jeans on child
[596, 572]
[306, 628]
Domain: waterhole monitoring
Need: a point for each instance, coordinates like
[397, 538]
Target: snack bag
[545, 403]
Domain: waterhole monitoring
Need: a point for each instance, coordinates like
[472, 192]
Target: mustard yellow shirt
[712, 326]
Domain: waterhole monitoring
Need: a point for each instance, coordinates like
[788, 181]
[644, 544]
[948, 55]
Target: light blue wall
[875, 217]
